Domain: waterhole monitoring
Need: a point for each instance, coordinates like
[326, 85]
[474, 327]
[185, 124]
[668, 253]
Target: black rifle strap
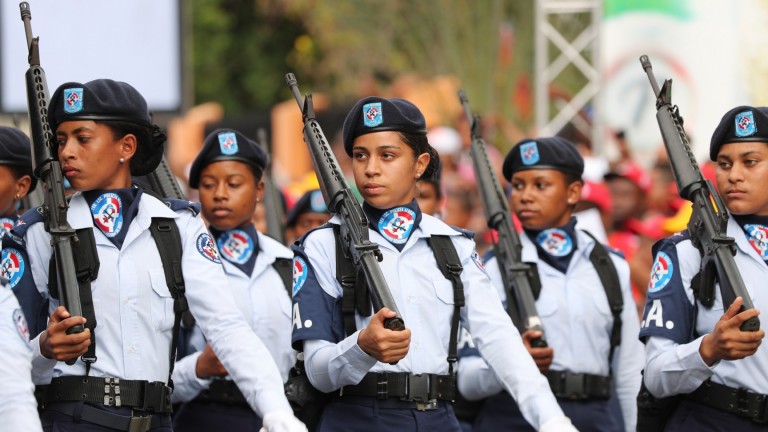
[346, 274]
[168, 241]
[450, 266]
[86, 261]
[284, 267]
[601, 260]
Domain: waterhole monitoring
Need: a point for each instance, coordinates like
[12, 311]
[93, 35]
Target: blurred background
[529, 67]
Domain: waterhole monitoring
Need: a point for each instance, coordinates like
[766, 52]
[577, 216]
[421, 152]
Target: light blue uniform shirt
[18, 409]
[424, 297]
[673, 363]
[577, 322]
[134, 307]
[264, 301]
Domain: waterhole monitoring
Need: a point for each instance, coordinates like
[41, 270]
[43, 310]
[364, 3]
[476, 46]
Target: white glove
[282, 421]
[559, 424]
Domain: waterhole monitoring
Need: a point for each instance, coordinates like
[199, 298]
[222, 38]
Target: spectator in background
[308, 213]
[629, 184]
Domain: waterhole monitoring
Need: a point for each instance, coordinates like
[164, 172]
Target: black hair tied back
[420, 144]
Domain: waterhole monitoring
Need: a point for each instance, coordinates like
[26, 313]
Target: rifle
[521, 280]
[709, 220]
[163, 182]
[273, 209]
[48, 170]
[340, 200]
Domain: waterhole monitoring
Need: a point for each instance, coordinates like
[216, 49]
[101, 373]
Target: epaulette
[615, 251]
[178, 205]
[300, 240]
[29, 218]
[490, 253]
[466, 233]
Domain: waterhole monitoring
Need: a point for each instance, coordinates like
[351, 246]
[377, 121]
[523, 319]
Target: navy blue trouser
[209, 416]
[57, 422]
[501, 413]
[346, 416]
[691, 416]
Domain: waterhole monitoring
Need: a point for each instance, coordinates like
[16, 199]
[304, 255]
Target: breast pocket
[443, 290]
[161, 303]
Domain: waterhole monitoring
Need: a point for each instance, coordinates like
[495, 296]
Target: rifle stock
[519, 278]
[340, 200]
[48, 170]
[709, 220]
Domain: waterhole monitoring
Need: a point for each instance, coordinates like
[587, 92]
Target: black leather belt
[223, 392]
[93, 415]
[152, 397]
[424, 389]
[740, 402]
[579, 386]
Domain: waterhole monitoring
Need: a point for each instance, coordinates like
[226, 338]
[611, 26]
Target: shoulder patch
[466, 233]
[12, 266]
[178, 205]
[299, 273]
[21, 325]
[206, 248]
[661, 272]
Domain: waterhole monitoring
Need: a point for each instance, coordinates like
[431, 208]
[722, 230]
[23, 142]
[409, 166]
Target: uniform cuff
[690, 359]
[42, 367]
[355, 356]
[559, 424]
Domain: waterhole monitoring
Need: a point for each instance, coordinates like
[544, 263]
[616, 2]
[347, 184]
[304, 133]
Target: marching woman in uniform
[104, 136]
[386, 139]
[228, 173]
[18, 411]
[581, 362]
[16, 179]
[697, 351]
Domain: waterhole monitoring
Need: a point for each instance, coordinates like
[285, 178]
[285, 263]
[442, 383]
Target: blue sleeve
[316, 314]
[15, 267]
[668, 311]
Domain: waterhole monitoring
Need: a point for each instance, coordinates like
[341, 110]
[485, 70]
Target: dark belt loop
[382, 391]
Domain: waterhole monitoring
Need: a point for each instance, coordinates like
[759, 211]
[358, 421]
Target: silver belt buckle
[418, 391]
[427, 406]
[140, 424]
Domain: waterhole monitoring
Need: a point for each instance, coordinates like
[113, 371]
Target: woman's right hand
[55, 343]
[208, 365]
[381, 343]
[541, 356]
[727, 341]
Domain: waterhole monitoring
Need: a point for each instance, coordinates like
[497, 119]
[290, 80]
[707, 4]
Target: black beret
[227, 144]
[16, 150]
[741, 124]
[543, 153]
[375, 114]
[106, 100]
[311, 202]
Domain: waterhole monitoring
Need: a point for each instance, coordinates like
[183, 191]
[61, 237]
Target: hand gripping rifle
[521, 279]
[48, 170]
[709, 220]
[340, 200]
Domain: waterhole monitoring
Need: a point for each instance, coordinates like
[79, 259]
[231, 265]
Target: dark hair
[143, 136]
[571, 178]
[19, 171]
[420, 145]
